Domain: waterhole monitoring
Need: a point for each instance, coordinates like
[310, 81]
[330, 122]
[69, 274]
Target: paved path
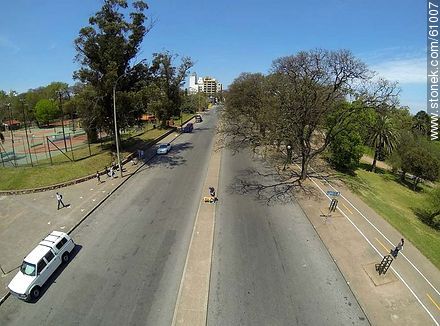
[26, 219]
[358, 238]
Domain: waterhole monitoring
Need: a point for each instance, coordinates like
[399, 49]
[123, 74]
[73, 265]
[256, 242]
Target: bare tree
[313, 85]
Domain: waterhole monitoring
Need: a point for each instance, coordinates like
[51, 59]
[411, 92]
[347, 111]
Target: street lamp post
[25, 128]
[116, 126]
[60, 94]
[114, 115]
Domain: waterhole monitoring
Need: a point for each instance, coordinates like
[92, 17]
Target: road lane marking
[380, 232]
[433, 301]
[386, 249]
[348, 209]
[378, 252]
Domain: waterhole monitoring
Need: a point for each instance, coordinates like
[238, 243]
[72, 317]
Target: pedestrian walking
[112, 173]
[60, 200]
[398, 248]
[98, 177]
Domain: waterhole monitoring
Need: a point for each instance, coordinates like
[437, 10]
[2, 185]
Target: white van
[40, 264]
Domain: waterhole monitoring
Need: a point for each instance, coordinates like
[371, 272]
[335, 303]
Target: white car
[40, 264]
[164, 148]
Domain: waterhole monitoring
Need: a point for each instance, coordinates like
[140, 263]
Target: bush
[430, 212]
[346, 150]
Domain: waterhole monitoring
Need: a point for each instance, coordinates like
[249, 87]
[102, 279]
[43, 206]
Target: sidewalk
[26, 219]
[357, 238]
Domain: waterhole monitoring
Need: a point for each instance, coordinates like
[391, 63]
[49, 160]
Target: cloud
[402, 70]
[7, 44]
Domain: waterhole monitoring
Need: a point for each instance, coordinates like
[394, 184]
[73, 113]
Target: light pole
[116, 126]
[25, 128]
[60, 94]
[114, 114]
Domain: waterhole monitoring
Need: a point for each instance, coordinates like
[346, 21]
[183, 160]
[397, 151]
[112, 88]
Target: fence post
[71, 147]
[48, 147]
[88, 144]
[24, 151]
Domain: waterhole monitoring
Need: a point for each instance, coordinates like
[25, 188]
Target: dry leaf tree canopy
[291, 105]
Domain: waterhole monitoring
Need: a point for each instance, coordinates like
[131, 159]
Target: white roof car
[40, 264]
[164, 148]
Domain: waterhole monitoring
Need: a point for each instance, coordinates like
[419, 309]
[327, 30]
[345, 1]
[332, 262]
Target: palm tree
[383, 136]
[421, 123]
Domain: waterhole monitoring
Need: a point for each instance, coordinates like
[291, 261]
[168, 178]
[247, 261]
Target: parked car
[164, 148]
[188, 127]
[198, 118]
[40, 264]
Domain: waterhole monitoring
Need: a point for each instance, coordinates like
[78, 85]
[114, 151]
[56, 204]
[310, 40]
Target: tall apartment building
[207, 85]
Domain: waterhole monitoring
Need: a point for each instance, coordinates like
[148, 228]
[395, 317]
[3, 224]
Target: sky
[225, 38]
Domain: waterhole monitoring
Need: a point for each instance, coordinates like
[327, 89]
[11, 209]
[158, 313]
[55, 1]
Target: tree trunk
[304, 166]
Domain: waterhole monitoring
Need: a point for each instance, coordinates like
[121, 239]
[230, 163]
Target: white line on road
[378, 252]
[421, 274]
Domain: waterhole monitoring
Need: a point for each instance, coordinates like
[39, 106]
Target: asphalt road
[131, 251]
[269, 266]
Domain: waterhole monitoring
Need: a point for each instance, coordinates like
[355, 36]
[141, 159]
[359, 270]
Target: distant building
[207, 85]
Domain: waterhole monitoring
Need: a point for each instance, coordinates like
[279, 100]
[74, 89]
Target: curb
[85, 178]
[333, 258]
[73, 228]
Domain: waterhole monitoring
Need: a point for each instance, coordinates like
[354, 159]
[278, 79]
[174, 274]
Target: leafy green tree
[346, 150]
[404, 143]
[166, 83]
[46, 110]
[194, 102]
[106, 50]
[422, 164]
[383, 136]
[421, 124]
[430, 212]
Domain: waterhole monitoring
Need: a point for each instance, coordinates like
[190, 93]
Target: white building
[207, 85]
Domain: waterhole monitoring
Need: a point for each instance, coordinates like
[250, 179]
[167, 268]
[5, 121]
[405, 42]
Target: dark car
[198, 118]
[188, 127]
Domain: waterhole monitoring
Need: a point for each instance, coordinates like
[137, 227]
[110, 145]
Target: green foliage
[346, 150]
[429, 212]
[396, 203]
[422, 164]
[46, 110]
[194, 102]
[105, 50]
[383, 136]
[165, 85]
[421, 124]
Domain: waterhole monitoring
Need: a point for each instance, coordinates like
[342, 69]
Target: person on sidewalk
[60, 200]
[98, 177]
[398, 248]
[111, 173]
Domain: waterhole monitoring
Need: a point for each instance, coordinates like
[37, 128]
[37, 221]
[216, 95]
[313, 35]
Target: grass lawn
[396, 203]
[64, 170]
